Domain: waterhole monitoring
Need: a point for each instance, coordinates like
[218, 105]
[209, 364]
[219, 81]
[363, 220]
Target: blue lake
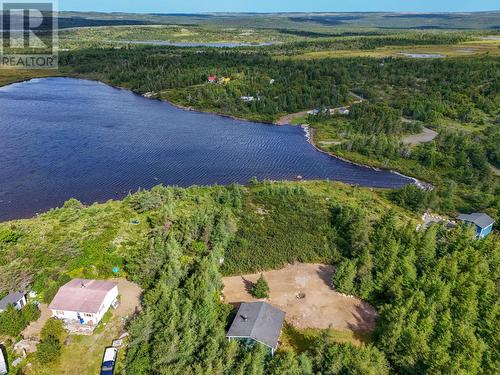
[64, 137]
[194, 44]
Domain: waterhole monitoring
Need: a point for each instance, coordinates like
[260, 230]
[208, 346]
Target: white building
[344, 111]
[17, 299]
[84, 301]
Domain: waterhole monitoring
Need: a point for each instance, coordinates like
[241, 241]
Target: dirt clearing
[427, 135]
[130, 298]
[320, 306]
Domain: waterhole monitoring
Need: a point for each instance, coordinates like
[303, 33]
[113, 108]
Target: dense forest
[460, 89]
[434, 289]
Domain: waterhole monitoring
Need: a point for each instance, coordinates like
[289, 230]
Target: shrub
[261, 289]
[48, 350]
[9, 236]
[52, 335]
[344, 277]
[412, 198]
[54, 328]
[12, 322]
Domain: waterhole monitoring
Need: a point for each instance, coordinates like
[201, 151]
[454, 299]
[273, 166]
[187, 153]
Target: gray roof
[259, 321]
[10, 298]
[480, 219]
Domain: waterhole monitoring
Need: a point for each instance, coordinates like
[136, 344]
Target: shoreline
[310, 139]
[309, 131]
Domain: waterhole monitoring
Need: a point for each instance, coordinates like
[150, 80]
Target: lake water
[64, 137]
[194, 44]
[423, 55]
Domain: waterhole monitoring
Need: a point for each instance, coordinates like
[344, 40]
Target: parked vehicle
[3, 363]
[109, 361]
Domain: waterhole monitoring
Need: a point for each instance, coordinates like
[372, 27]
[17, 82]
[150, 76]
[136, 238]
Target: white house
[84, 301]
[17, 299]
[344, 111]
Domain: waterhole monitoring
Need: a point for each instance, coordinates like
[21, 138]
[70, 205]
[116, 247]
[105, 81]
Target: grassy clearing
[300, 340]
[8, 76]
[276, 228]
[83, 354]
[472, 48]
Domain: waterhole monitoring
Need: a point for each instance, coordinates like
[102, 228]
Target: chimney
[244, 317]
[82, 284]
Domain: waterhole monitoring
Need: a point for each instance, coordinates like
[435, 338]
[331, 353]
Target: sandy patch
[130, 298]
[320, 307]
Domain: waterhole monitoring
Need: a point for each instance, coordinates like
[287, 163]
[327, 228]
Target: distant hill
[306, 21]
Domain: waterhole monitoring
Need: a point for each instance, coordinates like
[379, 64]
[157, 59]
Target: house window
[88, 315]
[59, 312]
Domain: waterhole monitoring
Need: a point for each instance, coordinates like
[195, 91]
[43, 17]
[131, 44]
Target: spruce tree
[261, 289]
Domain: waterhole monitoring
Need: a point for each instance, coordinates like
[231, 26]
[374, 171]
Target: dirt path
[32, 331]
[321, 307]
[287, 119]
[427, 135]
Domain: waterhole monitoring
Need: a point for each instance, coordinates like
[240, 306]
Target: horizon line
[283, 12]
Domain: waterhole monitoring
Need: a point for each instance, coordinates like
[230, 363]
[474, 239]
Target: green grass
[277, 228]
[477, 48]
[300, 340]
[83, 354]
[8, 76]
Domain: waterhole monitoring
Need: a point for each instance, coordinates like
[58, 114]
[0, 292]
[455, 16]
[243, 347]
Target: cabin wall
[483, 233]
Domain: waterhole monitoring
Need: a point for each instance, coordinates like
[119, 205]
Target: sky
[208, 6]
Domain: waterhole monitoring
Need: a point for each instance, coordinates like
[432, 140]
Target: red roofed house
[212, 79]
[83, 301]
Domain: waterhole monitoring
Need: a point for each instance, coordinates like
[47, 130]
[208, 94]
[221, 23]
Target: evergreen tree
[261, 288]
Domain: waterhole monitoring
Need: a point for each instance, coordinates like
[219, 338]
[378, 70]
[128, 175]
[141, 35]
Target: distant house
[483, 223]
[83, 301]
[314, 111]
[17, 299]
[224, 80]
[344, 111]
[257, 322]
[341, 111]
[271, 81]
[248, 99]
[212, 79]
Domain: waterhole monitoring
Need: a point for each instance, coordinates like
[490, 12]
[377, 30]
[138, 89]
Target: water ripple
[63, 138]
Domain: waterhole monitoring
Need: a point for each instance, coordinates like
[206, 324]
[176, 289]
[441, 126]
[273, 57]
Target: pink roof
[82, 295]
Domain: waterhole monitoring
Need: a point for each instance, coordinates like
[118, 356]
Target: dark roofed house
[257, 322]
[17, 299]
[483, 223]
